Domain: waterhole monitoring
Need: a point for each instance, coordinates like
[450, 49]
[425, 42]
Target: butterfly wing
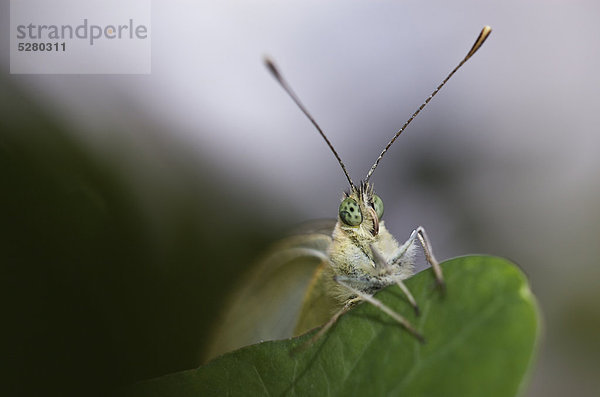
[268, 302]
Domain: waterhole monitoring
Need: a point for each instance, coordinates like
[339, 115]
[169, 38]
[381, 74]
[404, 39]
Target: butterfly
[312, 277]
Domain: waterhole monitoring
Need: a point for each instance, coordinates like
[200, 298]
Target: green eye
[350, 212]
[378, 206]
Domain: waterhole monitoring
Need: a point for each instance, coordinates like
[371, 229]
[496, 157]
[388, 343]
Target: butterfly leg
[381, 263]
[420, 235]
[347, 306]
[409, 296]
[378, 304]
[437, 270]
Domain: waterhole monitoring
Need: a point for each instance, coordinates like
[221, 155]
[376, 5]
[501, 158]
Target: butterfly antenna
[485, 32]
[275, 72]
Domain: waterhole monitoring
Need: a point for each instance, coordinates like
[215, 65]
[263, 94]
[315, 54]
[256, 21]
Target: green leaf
[480, 339]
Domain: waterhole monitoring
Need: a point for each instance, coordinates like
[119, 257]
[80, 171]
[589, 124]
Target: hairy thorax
[351, 255]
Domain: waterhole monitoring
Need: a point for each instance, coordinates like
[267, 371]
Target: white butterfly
[314, 276]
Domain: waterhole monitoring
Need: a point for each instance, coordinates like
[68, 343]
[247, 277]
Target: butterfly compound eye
[378, 206]
[350, 212]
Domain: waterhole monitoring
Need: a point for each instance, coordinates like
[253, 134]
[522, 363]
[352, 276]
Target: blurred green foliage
[104, 281]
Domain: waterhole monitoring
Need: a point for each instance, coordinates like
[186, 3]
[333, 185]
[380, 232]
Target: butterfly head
[361, 210]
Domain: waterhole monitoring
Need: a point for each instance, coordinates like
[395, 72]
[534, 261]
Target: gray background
[504, 160]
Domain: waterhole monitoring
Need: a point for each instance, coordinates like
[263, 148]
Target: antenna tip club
[271, 66]
[485, 32]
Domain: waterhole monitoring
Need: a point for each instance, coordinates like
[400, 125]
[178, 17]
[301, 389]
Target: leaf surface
[480, 340]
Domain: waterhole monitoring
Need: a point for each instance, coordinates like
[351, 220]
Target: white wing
[267, 303]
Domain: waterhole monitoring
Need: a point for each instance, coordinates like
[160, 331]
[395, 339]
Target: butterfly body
[355, 263]
[296, 287]
[367, 255]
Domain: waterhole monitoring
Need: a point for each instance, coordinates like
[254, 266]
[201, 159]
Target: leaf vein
[492, 308]
[362, 353]
[262, 382]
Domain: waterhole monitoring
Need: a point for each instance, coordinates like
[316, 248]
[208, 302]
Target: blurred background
[130, 205]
